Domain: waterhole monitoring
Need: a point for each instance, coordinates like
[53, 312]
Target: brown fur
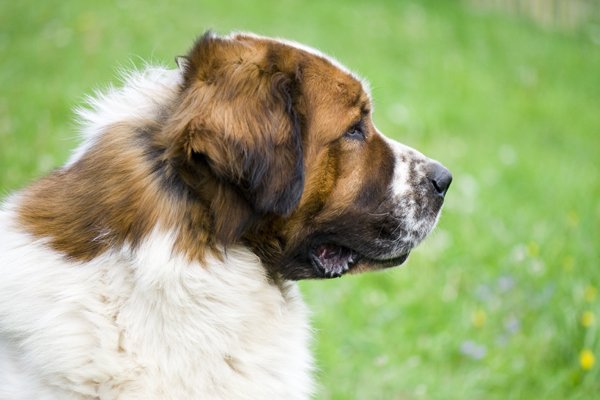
[251, 152]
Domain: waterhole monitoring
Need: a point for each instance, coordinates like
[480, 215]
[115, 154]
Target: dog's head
[299, 171]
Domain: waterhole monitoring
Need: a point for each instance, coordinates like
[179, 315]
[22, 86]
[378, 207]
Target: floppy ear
[237, 113]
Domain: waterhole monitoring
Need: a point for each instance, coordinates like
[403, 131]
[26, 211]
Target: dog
[160, 262]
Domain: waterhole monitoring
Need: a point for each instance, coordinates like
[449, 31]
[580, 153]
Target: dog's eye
[355, 133]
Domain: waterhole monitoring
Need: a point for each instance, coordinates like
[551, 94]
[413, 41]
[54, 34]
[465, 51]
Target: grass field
[502, 301]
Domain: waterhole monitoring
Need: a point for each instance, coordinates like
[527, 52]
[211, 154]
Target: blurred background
[502, 301]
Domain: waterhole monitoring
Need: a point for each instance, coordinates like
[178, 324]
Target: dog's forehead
[325, 66]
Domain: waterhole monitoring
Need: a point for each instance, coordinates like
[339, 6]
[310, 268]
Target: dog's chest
[149, 326]
[218, 332]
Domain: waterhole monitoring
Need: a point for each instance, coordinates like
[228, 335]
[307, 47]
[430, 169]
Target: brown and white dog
[159, 262]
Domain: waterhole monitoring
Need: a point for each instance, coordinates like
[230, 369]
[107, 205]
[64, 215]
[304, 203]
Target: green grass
[490, 306]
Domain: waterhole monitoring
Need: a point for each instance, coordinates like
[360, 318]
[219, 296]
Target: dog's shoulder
[144, 323]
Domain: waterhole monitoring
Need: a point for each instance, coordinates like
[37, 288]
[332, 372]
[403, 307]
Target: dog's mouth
[332, 260]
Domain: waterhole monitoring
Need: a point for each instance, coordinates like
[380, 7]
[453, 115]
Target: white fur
[141, 97]
[401, 186]
[407, 196]
[144, 324]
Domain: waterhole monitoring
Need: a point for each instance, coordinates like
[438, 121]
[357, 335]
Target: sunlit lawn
[502, 301]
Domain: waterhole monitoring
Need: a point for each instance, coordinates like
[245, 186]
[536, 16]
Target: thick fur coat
[160, 261]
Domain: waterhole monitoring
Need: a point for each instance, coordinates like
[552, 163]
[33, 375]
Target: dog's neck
[162, 324]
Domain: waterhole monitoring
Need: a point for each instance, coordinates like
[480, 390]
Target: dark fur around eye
[356, 132]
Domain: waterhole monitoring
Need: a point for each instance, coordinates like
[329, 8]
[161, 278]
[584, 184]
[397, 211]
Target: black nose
[440, 178]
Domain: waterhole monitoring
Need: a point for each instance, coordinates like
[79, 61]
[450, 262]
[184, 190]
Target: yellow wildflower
[590, 293]
[588, 319]
[478, 318]
[586, 359]
[568, 263]
[533, 249]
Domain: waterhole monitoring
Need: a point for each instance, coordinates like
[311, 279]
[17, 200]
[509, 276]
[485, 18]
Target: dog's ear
[237, 112]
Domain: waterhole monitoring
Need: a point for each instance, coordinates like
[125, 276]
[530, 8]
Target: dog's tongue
[333, 260]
